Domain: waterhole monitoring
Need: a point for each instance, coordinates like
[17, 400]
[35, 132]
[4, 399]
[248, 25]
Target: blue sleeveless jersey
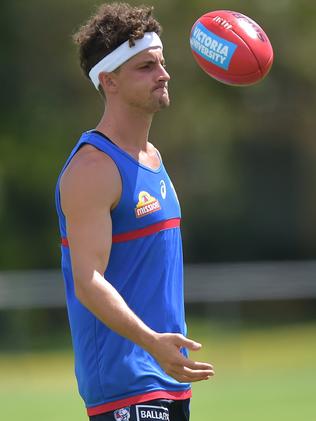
[146, 267]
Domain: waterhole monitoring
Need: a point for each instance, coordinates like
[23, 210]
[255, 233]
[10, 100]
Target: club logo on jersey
[146, 204]
[152, 412]
[122, 414]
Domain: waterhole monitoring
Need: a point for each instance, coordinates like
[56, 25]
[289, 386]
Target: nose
[163, 74]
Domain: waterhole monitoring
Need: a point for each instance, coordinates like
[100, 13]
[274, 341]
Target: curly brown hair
[112, 25]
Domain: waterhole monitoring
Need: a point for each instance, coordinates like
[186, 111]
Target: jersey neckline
[157, 170]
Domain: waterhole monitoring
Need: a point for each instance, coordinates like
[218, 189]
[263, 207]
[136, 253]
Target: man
[121, 247]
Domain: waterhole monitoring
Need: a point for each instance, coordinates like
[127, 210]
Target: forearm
[103, 300]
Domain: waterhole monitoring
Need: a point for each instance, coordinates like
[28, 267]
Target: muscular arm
[90, 187]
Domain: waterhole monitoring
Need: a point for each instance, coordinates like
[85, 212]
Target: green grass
[261, 375]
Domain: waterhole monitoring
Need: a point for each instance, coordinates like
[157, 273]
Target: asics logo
[163, 189]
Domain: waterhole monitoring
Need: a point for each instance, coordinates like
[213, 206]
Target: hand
[166, 350]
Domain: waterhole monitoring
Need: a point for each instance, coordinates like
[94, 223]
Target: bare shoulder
[91, 177]
[151, 147]
[152, 150]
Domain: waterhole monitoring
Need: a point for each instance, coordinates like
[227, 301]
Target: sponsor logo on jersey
[151, 412]
[122, 414]
[146, 204]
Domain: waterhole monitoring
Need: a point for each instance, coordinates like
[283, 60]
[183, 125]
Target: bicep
[90, 239]
[88, 191]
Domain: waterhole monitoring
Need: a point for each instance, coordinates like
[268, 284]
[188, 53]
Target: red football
[231, 47]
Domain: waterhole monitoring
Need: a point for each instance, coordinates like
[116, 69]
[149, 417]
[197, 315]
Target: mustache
[160, 85]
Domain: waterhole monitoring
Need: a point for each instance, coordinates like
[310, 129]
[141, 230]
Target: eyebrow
[150, 60]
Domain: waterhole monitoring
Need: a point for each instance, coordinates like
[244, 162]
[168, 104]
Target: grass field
[266, 374]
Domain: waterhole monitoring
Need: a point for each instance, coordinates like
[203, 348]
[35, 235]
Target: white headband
[123, 53]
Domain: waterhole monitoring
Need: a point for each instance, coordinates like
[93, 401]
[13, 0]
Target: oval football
[231, 47]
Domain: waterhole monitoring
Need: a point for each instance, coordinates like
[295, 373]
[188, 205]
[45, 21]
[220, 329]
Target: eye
[164, 65]
[146, 66]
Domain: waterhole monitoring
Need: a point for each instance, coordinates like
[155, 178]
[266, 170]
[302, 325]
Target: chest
[147, 198]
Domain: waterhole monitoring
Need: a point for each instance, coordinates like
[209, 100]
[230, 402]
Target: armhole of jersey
[159, 156]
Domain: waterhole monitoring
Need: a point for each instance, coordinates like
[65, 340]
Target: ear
[108, 82]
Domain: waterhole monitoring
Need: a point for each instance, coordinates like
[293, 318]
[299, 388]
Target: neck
[127, 127]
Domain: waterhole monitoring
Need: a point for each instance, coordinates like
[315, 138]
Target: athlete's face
[142, 81]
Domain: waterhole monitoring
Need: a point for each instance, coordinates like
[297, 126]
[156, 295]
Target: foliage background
[242, 159]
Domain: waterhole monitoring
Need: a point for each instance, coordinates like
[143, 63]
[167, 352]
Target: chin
[156, 106]
[164, 101]
[164, 104]
[160, 106]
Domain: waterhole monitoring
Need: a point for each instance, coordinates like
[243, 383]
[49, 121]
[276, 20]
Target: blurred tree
[242, 159]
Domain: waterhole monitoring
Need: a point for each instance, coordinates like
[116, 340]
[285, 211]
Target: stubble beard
[153, 104]
[163, 102]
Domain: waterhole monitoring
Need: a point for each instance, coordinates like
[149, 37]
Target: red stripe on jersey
[64, 242]
[142, 232]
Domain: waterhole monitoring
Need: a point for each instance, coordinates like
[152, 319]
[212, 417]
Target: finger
[188, 343]
[197, 374]
[183, 378]
[195, 365]
[191, 374]
[199, 380]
